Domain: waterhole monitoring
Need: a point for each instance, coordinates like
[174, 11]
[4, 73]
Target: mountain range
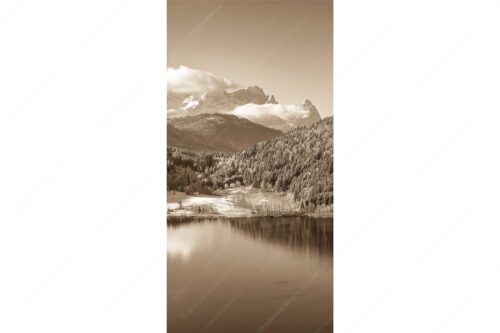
[194, 92]
[216, 132]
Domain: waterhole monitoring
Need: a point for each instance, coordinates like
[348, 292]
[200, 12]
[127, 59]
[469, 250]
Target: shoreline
[187, 218]
[244, 202]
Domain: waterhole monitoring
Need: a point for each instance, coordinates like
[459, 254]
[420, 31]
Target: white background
[82, 166]
[417, 168]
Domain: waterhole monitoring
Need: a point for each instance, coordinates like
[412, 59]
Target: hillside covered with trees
[298, 162]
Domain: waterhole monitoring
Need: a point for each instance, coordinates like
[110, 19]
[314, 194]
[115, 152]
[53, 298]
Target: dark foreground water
[250, 275]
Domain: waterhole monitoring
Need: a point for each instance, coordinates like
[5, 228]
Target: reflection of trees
[298, 233]
[302, 234]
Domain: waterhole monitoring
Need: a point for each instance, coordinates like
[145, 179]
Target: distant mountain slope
[186, 139]
[218, 132]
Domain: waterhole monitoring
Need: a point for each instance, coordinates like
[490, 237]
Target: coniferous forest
[298, 162]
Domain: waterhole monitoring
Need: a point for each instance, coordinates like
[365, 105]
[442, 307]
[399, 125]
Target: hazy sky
[286, 47]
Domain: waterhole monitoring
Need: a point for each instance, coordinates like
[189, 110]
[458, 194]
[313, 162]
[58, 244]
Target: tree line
[298, 162]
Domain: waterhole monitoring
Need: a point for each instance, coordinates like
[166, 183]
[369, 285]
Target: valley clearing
[243, 201]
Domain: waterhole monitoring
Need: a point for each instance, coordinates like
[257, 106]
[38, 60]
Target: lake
[250, 275]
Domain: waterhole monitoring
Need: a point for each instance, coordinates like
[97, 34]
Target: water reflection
[302, 234]
[250, 275]
[295, 233]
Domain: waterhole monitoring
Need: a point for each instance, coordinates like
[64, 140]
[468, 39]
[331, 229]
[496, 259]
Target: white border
[417, 184]
[82, 171]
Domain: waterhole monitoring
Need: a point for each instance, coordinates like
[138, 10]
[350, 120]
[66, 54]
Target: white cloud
[194, 81]
[279, 116]
[287, 112]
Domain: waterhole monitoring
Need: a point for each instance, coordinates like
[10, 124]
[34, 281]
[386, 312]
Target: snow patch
[220, 205]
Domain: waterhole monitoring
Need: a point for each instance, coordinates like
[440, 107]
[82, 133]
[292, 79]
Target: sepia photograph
[250, 166]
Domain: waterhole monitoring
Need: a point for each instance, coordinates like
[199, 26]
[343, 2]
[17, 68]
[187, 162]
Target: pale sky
[286, 47]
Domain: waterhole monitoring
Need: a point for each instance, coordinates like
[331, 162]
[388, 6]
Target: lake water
[250, 275]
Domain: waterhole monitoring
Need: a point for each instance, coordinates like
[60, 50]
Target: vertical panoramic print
[249, 166]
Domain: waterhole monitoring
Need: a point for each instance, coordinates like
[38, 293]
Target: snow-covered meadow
[234, 202]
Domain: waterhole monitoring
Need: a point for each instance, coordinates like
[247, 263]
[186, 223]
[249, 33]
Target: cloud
[185, 80]
[279, 116]
[286, 112]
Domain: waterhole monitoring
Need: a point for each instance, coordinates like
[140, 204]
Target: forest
[299, 162]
